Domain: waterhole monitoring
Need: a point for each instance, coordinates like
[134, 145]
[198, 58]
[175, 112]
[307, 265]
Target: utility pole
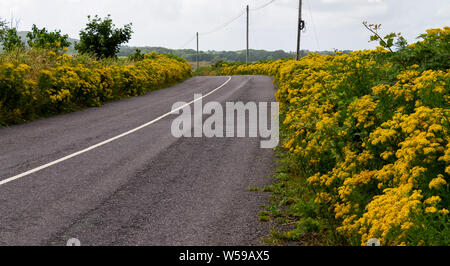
[246, 55]
[197, 52]
[301, 25]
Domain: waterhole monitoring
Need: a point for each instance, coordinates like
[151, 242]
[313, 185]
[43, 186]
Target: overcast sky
[331, 24]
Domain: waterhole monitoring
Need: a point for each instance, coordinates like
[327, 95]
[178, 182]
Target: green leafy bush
[101, 39]
[41, 38]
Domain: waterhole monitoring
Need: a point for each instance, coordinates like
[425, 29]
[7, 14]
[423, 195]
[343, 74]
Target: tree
[3, 28]
[137, 55]
[101, 38]
[10, 39]
[41, 38]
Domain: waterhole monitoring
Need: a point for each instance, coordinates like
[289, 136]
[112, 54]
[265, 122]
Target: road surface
[144, 188]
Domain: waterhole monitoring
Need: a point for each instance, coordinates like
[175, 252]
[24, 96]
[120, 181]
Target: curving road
[142, 188]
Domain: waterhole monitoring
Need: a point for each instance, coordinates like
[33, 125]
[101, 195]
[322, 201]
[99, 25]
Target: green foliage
[3, 28]
[41, 38]
[386, 42]
[308, 225]
[216, 56]
[176, 57]
[433, 52]
[136, 56]
[101, 38]
[10, 39]
[264, 218]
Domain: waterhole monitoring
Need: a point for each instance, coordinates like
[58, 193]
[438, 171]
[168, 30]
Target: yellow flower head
[430, 210]
[437, 182]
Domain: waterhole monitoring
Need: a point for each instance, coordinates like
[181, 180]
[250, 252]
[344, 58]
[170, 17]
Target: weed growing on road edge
[292, 211]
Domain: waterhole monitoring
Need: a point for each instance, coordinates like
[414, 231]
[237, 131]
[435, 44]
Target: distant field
[201, 64]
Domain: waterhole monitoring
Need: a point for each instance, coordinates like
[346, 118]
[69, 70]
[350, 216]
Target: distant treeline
[208, 56]
[215, 56]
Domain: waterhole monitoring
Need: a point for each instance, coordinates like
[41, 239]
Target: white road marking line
[5, 181]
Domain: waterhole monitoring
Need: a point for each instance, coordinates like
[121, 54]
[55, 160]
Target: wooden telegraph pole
[247, 55]
[197, 52]
[300, 27]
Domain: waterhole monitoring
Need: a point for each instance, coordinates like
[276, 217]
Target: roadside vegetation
[38, 79]
[212, 57]
[365, 144]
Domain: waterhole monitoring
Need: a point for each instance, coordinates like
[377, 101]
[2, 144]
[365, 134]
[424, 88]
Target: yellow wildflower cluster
[376, 152]
[70, 83]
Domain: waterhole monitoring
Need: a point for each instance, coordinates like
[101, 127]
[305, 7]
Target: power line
[263, 6]
[314, 25]
[224, 25]
[188, 42]
[235, 18]
[214, 30]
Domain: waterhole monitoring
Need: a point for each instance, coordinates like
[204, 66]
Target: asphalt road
[145, 188]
